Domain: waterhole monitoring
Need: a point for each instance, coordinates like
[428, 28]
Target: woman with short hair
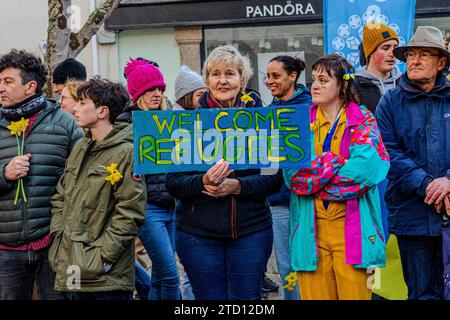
[69, 96]
[224, 227]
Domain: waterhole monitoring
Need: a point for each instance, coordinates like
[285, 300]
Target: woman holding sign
[336, 228]
[224, 228]
[282, 77]
[146, 86]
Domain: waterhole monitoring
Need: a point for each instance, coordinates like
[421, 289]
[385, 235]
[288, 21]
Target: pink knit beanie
[141, 77]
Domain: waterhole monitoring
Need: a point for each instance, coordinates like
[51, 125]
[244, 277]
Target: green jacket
[93, 220]
[50, 142]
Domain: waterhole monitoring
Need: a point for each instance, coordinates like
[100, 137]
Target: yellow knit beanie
[374, 34]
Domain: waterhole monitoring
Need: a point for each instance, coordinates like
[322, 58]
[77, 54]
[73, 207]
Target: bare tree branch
[62, 43]
[57, 37]
[79, 40]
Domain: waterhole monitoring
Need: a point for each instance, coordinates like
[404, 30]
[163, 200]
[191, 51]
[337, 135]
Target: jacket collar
[352, 111]
[441, 87]
[295, 98]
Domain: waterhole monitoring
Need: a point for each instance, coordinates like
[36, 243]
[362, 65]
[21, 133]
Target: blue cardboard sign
[193, 140]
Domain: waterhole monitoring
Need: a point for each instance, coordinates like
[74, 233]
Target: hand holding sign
[217, 173]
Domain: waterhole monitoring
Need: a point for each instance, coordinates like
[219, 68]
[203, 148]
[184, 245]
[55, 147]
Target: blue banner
[344, 21]
[180, 141]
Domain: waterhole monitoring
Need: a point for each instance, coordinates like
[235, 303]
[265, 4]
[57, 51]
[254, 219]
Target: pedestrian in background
[146, 86]
[189, 87]
[381, 72]
[69, 69]
[69, 96]
[283, 73]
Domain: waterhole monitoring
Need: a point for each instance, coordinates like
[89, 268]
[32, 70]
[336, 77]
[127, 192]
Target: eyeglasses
[423, 55]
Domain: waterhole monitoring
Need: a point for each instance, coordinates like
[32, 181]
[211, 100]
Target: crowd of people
[74, 215]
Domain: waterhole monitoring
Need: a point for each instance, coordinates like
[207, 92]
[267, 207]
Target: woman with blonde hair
[224, 228]
[69, 96]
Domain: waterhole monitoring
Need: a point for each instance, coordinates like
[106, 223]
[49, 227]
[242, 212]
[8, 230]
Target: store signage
[276, 10]
[140, 14]
[212, 13]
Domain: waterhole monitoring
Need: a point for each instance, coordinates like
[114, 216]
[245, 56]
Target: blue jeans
[187, 288]
[142, 281]
[158, 237]
[98, 296]
[225, 269]
[20, 269]
[422, 265]
[280, 218]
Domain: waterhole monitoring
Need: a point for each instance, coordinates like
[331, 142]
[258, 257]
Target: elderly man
[414, 122]
[48, 139]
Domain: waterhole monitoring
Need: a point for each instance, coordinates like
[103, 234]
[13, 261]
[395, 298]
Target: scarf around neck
[25, 108]
[207, 101]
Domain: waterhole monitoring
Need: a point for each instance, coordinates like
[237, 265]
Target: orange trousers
[333, 279]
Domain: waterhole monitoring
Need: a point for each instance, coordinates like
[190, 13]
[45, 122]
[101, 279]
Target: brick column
[189, 39]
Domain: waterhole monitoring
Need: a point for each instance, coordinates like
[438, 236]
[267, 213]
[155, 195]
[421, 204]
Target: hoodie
[370, 87]
[94, 220]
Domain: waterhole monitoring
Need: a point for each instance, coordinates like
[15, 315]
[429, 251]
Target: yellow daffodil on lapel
[18, 129]
[246, 98]
[112, 168]
[114, 174]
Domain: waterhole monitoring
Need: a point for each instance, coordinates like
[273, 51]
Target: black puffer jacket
[227, 217]
[50, 141]
[157, 193]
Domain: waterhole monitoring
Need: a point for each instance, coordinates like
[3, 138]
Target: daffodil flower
[291, 277]
[289, 286]
[114, 177]
[246, 98]
[114, 174]
[18, 128]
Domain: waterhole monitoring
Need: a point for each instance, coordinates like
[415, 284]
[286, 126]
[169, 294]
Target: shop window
[443, 23]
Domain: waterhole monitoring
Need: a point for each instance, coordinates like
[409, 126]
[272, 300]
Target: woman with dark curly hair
[336, 228]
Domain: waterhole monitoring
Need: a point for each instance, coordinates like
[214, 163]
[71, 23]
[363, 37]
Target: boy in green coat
[100, 204]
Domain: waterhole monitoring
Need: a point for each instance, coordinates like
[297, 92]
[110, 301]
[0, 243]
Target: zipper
[233, 219]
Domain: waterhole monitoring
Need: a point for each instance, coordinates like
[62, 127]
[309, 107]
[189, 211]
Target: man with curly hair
[48, 139]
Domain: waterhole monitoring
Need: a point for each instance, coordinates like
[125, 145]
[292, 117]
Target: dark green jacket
[50, 141]
[93, 220]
